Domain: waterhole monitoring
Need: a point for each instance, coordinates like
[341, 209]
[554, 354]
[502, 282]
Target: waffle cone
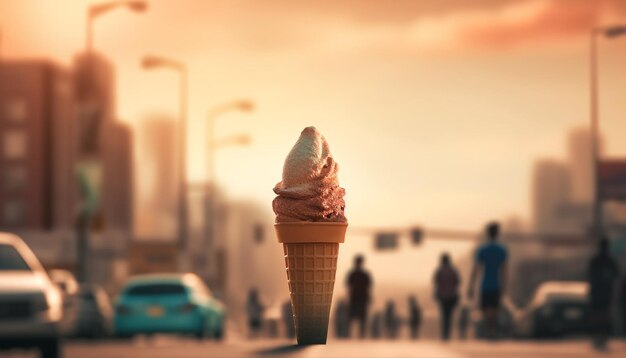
[311, 251]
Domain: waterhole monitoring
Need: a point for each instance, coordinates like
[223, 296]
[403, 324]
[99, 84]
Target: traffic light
[417, 235]
[386, 241]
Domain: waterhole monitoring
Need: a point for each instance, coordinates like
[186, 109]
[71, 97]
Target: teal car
[168, 303]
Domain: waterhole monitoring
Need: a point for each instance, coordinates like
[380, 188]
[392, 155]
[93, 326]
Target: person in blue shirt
[491, 262]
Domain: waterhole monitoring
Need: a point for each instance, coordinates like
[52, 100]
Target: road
[165, 347]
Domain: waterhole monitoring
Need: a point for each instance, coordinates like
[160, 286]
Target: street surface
[163, 346]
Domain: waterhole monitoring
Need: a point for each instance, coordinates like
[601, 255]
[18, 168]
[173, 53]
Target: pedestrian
[255, 310]
[288, 322]
[377, 325]
[415, 317]
[602, 274]
[491, 262]
[392, 322]
[359, 287]
[341, 319]
[464, 320]
[446, 282]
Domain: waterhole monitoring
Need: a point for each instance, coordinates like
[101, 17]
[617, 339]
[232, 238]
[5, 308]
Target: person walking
[288, 322]
[377, 325]
[446, 282]
[491, 262]
[255, 310]
[341, 319]
[415, 317]
[602, 275]
[359, 287]
[392, 322]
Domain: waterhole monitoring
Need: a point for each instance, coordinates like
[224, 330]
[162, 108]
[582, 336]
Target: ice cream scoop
[309, 190]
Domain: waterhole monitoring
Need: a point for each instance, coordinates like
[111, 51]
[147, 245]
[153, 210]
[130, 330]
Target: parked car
[95, 313]
[168, 303]
[557, 309]
[30, 304]
[65, 280]
[68, 286]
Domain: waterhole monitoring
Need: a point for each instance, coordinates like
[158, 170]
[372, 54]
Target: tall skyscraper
[102, 138]
[157, 150]
[118, 175]
[579, 156]
[550, 195]
[37, 128]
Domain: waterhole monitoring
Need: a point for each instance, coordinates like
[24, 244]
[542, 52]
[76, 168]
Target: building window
[13, 213]
[14, 178]
[14, 144]
[15, 110]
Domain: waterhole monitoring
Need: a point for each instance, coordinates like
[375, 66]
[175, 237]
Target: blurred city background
[141, 137]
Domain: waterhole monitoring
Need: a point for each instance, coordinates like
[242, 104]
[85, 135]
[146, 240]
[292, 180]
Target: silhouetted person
[392, 322]
[377, 325]
[287, 313]
[464, 320]
[341, 319]
[359, 287]
[602, 274]
[491, 262]
[446, 282]
[415, 317]
[254, 309]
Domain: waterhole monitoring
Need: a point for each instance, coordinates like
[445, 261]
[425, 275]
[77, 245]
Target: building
[52, 120]
[104, 139]
[118, 175]
[550, 194]
[579, 157]
[159, 178]
[37, 138]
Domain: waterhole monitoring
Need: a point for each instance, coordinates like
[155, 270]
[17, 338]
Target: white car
[557, 309]
[31, 305]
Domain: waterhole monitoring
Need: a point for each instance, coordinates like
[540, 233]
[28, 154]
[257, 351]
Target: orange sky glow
[434, 110]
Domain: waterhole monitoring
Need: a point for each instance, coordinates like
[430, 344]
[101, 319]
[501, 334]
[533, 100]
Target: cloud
[511, 25]
[535, 21]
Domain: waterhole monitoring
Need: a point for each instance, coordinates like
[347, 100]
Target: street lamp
[610, 32]
[242, 105]
[99, 9]
[154, 62]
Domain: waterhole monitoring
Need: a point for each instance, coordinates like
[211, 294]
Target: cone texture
[311, 271]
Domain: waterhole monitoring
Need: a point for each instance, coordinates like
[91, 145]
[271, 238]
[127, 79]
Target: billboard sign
[386, 241]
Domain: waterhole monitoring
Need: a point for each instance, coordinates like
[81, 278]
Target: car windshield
[11, 260]
[156, 289]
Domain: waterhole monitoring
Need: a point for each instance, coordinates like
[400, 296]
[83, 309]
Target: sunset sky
[434, 110]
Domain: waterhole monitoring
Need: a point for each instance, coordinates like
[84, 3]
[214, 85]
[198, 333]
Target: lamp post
[152, 62]
[609, 32]
[88, 156]
[213, 145]
[99, 9]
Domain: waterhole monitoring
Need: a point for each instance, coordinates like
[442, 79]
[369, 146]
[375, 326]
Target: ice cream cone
[311, 250]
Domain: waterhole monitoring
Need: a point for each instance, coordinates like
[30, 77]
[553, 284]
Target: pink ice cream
[309, 190]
